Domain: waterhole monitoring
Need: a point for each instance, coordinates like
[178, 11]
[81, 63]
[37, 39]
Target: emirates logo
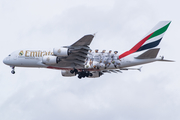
[59, 51]
[48, 59]
[21, 53]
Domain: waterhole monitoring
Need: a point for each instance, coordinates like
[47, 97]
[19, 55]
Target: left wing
[84, 41]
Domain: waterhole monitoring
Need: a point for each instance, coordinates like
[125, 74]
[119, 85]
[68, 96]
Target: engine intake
[61, 52]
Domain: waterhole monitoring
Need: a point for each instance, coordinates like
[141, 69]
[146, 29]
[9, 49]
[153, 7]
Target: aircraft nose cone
[5, 61]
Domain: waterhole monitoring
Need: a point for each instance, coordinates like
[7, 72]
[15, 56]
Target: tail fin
[152, 39]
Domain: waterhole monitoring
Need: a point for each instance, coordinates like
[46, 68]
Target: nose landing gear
[13, 71]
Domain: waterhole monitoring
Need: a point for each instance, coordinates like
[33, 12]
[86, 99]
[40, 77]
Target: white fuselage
[33, 58]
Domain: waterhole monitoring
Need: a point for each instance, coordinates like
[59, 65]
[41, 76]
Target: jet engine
[49, 60]
[61, 52]
[67, 73]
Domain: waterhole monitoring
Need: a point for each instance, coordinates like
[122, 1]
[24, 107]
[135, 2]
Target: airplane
[77, 59]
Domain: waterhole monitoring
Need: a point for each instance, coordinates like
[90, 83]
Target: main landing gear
[81, 74]
[13, 71]
[74, 71]
[84, 74]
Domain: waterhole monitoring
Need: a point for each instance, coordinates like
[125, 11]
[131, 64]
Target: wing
[84, 41]
[78, 53]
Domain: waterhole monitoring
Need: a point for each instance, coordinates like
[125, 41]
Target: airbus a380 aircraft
[77, 59]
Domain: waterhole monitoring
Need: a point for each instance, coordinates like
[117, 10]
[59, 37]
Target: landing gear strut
[13, 71]
[74, 71]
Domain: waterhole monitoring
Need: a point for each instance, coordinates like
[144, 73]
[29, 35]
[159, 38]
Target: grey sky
[33, 93]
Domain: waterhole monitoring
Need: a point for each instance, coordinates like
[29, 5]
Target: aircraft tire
[79, 76]
[87, 75]
[90, 74]
[13, 72]
[72, 71]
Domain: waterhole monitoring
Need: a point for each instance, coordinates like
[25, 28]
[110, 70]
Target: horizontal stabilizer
[168, 60]
[152, 53]
[162, 59]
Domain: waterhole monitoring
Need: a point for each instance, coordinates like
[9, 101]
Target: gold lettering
[45, 53]
[26, 55]
[39, 53]
[49, 52]
[33, 53]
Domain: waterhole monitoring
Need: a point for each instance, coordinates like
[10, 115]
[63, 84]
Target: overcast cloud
[43, 94]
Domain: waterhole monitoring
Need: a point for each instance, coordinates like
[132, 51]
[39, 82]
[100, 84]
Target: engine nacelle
[61, 52]
[66, 73]
[49, 60]
[96, 74]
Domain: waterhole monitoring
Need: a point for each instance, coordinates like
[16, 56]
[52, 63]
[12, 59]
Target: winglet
[94, 34]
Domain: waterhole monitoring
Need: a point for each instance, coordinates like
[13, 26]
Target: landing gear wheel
[83, 73]
[74, 71]
[87, 73]
[71, 71]
[90, 74]
[13, 72]
[79, 76]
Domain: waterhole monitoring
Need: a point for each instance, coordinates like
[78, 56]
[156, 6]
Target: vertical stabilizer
[151, 40]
